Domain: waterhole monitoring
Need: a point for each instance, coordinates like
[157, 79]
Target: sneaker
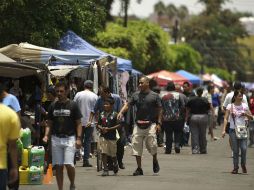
[177, 150]
[244, 169]
[105, 173]
[138, 171]
[195, 151]
[168, 150]
[156, 167]
[73, 187]
[160, 145]
[87, 164]
[121, 166]
[234, 171]
[115, 168]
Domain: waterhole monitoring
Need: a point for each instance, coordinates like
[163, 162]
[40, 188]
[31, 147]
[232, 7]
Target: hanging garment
[95, 79]
[124, 77]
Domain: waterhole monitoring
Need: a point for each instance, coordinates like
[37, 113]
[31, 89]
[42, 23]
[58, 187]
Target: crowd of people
[163, 117]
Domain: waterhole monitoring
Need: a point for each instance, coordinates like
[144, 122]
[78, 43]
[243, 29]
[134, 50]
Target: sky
[146, 7]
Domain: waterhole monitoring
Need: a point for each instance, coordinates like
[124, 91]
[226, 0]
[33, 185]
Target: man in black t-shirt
[64, 122]
[147, 123]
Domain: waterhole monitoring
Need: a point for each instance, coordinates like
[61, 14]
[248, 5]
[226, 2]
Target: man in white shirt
[86, 100]
[229, 96]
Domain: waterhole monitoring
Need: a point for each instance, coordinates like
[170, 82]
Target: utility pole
[175, 31]
[126, 5]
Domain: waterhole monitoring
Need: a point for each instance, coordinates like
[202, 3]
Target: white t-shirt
[237, 111]
[229, 97]
[86, 101]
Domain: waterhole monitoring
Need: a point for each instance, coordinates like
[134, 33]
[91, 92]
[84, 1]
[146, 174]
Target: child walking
[107, 125]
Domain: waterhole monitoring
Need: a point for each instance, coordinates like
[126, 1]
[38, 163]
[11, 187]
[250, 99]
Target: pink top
[237, 111]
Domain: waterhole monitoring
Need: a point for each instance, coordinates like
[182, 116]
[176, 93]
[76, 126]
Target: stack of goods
[32, 161]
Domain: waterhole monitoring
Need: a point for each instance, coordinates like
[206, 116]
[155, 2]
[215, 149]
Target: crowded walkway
[178, 171]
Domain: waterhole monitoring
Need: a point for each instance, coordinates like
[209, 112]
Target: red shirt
[252, 105]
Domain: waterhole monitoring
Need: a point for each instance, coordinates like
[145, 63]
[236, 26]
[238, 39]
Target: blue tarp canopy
[194, 79]
[71, 42]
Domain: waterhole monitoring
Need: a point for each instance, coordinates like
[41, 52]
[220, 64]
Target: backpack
[171, 104]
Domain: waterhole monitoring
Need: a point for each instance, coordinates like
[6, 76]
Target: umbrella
[163, 77]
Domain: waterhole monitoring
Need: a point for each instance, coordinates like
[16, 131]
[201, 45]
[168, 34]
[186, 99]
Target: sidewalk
[178, 172]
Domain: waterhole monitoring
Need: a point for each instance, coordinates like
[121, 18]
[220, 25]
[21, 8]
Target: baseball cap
[88, 84]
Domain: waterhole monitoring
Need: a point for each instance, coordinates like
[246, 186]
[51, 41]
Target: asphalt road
[178, 172]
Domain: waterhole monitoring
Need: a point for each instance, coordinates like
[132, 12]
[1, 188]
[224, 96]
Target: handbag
[241, 132]
[227, 128]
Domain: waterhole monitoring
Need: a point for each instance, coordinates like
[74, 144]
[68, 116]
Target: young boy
[108, 124]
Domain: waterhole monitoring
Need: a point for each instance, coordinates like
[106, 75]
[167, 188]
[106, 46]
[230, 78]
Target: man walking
[86, 100]
[173, 117]
[9, 133]
[11, 101]
[147, 123]
[64, 121]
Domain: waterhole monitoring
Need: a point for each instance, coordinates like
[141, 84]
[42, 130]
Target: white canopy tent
[12, 69]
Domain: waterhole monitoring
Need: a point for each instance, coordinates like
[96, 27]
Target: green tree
[185, 57]
[147, 46]
[160, 8]
[214, 33]
[43, 22]
[213, 6]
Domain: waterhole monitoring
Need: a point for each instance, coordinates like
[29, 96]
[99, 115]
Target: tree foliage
[186, 58]
[43, 22]
[214, 33]
[171, 10]
[147, 46]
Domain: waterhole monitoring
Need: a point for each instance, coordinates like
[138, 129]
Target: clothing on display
[95, 78]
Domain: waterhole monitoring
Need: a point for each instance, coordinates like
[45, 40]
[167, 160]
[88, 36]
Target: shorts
[140, 135]
[63, 150]
[108, 147]
[3, 179]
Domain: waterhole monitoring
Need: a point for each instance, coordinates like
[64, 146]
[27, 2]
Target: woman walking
[236, 113]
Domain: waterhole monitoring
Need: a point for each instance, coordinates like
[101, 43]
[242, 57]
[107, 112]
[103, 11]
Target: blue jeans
[88, 132]
[3, 179]
[236, 144]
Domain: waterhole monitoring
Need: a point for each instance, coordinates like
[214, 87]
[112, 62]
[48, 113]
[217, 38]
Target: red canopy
[163, 77]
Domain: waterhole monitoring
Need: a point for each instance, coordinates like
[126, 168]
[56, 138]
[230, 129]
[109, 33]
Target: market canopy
[71, 42]
[163, 77]
[37, 56]
[62, 70]
[12, 69]
[194, 79]
[215, 79]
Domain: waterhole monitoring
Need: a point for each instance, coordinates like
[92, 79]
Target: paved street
[178, 172]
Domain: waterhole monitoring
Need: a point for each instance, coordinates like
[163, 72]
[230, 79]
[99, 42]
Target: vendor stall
[163, 77]
[194, 79]
[12, 69]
